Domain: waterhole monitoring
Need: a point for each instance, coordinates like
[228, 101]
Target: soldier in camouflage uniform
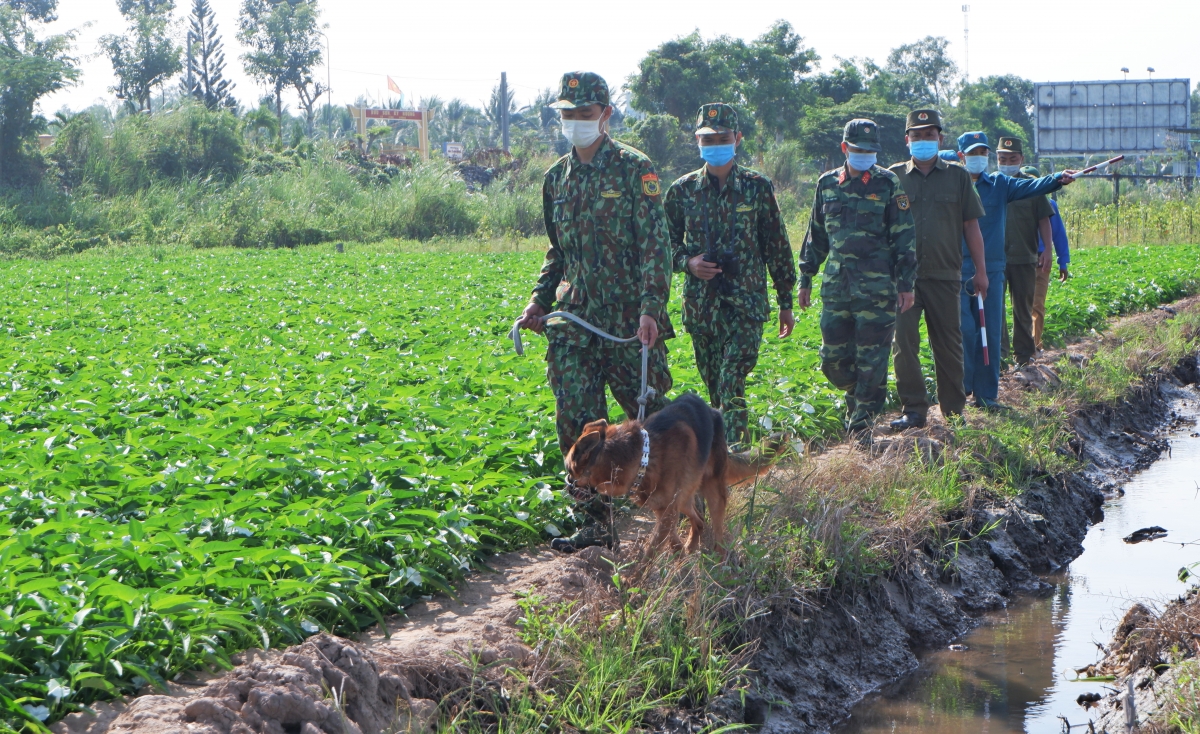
[609, 262]
[726, 235]
[861, 222]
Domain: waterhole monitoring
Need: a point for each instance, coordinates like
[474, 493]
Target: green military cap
[862, 133]
[1031, 171]
[923, 118]
[716, 117]
[1010, 145]
[581, 88]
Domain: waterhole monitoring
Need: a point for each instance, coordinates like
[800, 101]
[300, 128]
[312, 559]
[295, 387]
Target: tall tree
[1016, 95]
[146, 56]
[769, 70]
[283, 42]
[682, 74]
[30, 68]
[204, 77]
[924, 70]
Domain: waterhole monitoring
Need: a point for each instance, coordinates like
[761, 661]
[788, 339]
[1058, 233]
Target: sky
[458, 48]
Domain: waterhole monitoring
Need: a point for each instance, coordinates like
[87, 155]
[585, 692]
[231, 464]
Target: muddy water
[1016, 675]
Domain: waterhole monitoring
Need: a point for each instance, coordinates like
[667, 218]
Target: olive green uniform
[1020, 273]
[942, 201]
[741, 223]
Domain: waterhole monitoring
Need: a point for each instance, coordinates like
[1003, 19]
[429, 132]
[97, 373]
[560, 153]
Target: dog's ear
[581, 454]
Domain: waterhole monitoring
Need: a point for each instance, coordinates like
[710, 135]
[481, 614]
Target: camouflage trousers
[857, 343]
[579, 374]
[726, 348]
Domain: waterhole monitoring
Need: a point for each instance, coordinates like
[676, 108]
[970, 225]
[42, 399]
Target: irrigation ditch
[809, 662]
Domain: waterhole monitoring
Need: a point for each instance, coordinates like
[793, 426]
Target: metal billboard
[1085, 118]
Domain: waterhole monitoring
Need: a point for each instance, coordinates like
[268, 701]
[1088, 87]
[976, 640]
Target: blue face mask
[718, 155]
[861, 161]
[976, 164]
[923, 150]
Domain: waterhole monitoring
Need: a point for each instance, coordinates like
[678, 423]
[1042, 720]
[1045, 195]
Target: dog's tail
[740, 468]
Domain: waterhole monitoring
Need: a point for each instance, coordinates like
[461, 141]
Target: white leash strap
[647, 392]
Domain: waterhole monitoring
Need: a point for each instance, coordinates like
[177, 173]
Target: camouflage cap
[581, 88]
[1010, 145]
[716, 117]
[972, 140]
[923, 118]
[862, 133]
[1031, 171]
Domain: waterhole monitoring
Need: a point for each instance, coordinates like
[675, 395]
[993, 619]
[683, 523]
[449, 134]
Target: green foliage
[669, 145]
[283, 44]
[921, 73]
[190, 141]
[821, 130]
[204, 77]
[146, 55]
[208, 452]
[682, 74]
[980, 108]
[30, 68]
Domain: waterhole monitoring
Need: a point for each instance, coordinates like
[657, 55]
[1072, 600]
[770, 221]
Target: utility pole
[504, 110]
[328, 86]
[966, 49]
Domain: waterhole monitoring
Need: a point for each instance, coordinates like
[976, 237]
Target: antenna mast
[966, 9]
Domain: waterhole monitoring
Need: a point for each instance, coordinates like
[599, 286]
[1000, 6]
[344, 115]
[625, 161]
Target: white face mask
[581, 133]
[1010, 170]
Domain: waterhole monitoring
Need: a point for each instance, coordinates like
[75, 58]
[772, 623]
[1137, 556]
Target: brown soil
[820, 662]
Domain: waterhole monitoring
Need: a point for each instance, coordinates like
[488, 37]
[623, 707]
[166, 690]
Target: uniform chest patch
[873, 197]
[610, 194]
[745, 208]
[902, 202]
[650, 186]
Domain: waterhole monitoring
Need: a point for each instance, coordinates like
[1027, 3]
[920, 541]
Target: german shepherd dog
[688, 457]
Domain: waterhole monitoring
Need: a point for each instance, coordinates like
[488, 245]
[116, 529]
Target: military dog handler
[609, 262]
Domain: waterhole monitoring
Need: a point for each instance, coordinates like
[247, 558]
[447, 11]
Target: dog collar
[641, 474]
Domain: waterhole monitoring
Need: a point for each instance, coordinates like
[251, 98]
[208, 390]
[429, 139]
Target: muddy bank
[816, 666]
[1156, 653]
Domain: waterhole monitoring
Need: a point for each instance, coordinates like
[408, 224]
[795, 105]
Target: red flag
[393, 87]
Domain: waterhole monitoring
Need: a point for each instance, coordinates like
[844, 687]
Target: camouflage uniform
[725, 316]
[609, 262]
[863, 225]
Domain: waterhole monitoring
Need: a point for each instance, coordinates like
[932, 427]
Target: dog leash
[647, 392]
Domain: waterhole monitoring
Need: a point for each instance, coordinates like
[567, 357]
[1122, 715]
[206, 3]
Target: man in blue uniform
[996, 191]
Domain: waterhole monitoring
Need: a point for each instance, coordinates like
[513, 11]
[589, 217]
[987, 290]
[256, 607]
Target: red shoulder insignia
[842, 176]
[866, 177]
[650, 185]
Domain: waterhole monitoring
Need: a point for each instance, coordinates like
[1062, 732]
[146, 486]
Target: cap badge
[573, 83]
[1007, 143]
[712, 112]
[976, 136]
[923, 116]
[867, 129]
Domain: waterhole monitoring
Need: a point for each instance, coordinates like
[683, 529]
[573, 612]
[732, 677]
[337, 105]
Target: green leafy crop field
[203, 451]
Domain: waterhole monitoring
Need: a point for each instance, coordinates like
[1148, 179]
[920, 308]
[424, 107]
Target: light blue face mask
[976, 164]
[718, 155]
[923, 150]
[861, 161]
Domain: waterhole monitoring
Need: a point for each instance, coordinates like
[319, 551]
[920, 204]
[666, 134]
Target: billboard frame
[1134, 117]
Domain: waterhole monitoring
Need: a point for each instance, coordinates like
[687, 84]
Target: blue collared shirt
[997, 191]
[1058, 233]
